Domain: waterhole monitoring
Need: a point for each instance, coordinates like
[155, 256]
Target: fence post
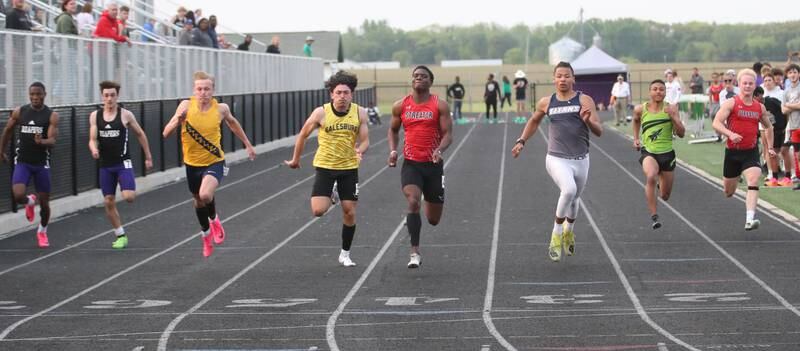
[74, 151]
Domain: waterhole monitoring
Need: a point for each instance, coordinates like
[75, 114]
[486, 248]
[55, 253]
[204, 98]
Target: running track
[486, 283]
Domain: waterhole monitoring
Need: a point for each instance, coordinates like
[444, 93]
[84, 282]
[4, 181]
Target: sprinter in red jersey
[427, 124]
[738, 120]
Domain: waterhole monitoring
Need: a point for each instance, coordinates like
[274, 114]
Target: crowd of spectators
[189, 27]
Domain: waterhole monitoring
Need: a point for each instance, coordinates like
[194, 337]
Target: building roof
[327, 45]
[596, 61]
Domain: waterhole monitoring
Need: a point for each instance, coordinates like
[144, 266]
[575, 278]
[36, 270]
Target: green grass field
[708, 157]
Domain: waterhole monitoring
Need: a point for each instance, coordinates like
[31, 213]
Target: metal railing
[264, 117]
[72, 66]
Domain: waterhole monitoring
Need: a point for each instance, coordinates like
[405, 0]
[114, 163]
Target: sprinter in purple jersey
[38, 128]
[108, 142]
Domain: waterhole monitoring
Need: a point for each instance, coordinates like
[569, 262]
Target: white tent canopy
[596, 61]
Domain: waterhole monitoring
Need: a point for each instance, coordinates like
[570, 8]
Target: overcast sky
[314, 15]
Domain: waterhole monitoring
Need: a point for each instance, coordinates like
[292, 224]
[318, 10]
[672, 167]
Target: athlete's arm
[768, 130]
[236, 128]
[589, 115]
[637, 126]
[52, 132]
[394, 131]
[93, 146]
[446, 128]
[8, 132]
[677, 126]
[720, 119]
[531, 126]
[363, 132]
[312, 122]
[129, 120]
[177, 119]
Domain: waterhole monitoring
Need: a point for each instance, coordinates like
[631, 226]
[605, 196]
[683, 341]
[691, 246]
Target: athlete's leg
[348, 223]
[562, 174]
[44, 208]
[729, 186]
[667, 178]
[110, 203]
[207, 189]
[413, 196]
[752, 175]
[650, 169]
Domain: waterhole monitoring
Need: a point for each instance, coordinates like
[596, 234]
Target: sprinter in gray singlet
[572, 115]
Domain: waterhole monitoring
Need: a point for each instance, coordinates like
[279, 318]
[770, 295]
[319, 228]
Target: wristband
[520, 141]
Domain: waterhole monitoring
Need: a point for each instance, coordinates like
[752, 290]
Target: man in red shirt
[427, 124]
[738, 120]
[108, 26]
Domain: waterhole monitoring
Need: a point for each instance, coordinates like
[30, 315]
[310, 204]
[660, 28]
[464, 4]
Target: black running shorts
[346, 183]
[666, 161]
[736, 161]
[428, 176]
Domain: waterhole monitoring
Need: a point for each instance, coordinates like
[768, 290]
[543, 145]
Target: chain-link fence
[72, 66]
[264, 117]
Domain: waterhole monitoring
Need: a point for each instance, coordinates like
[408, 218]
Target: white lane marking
[164, 339]
[138, 348]
[149, 215]
[669, 259]
[628, 289]
[557, 283]
[11, 328]
[489, 297]
[330, 328]
[662, 347]
[708, 239]
[486, 348]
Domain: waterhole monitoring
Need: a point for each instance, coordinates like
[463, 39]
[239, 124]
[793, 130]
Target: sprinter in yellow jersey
[656, 122]
[343, 138]
[199, 119]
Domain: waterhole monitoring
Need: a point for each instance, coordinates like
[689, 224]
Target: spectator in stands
[200, 35]
[65, 23]
[714, 88]
[223, 43]
[674, 87]
[770, 86]
[274, 48]
[212, 31]
[245, 46]
[188, 31]
[86, 20]
[149, 27]
[198, 14]
[108, 26]
[180, 17]
[757, 68]
[620, 97]
[696, 82]
[17, 18]
[730, 89]
[307, 48]
[40, 17]
[779, 76]
[122, 21]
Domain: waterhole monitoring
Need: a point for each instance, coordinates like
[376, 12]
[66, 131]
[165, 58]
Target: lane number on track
[126, 304]
[576, 299]
[707, 297]
[269, 303]
[412, 300]
[10, 305]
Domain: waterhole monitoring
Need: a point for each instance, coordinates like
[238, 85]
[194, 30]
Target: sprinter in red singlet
[738, 120]
[427, 124]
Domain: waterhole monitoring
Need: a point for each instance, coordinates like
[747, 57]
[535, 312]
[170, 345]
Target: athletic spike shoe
[344, 259]
[217, 232]
[785, 181]
[41, 237]
[656, 223]
[555, 247]
[120, 243]
[752, 225]
[208, 247]
[771, 182]
[30, 209]
[568, 242]
[415, 260]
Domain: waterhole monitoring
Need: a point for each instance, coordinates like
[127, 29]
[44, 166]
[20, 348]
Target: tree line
[628, 39]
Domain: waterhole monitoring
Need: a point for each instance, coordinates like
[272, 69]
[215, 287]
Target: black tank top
[32, 122]
[113, 139]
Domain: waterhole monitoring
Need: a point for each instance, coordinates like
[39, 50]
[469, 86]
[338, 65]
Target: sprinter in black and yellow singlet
[199, 119]
[343, 138]
[654, 123]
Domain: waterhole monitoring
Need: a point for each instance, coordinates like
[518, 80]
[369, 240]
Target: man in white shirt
[730, 90]
[620, 94]
[771, 88]
[673, 88]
